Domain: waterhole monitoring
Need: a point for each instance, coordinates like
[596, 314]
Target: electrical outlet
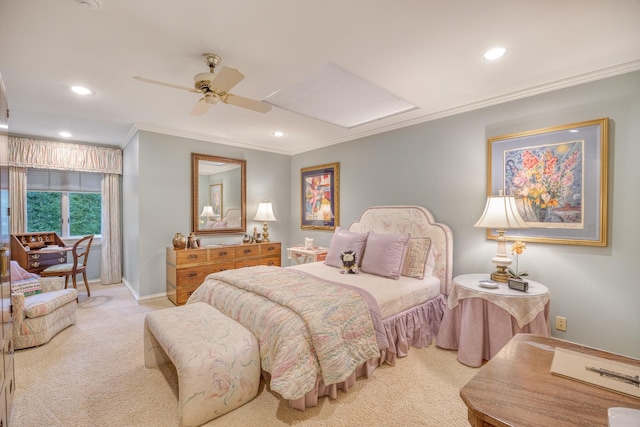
[561, 323]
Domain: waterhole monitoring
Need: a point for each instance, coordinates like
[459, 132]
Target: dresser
[36, 251]
[187, 268]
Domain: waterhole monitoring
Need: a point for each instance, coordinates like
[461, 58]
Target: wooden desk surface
[516, 388]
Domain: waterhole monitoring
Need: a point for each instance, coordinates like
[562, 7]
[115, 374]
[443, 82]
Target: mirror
[217, 195]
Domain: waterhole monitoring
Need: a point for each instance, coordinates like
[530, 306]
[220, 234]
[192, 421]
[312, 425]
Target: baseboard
[137, 296]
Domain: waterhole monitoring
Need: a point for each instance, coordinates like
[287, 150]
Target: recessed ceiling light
[81, 90]
[278, 133]
[3, 126]
[574, 130]
[65, 134]
[495, 53]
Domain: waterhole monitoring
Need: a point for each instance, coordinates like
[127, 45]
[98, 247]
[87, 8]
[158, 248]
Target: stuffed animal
[349, 262]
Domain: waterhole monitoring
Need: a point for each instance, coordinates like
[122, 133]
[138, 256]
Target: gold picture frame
[320, 197]
[558, 176]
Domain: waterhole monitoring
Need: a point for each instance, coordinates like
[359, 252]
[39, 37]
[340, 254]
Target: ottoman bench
[217, 360]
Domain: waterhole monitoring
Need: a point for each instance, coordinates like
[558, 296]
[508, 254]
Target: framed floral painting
[320, 197]
[558, 177]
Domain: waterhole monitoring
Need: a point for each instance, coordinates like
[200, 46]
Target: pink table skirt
[478, 329]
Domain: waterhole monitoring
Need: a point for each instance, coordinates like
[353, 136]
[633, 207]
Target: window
[67, 202]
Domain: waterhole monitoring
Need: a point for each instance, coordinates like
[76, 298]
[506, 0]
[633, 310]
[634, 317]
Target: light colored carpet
[93, 374]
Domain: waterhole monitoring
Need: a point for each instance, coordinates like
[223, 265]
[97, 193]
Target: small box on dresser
[187, 268]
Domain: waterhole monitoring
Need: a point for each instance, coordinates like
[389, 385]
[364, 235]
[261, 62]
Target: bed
[346, 324]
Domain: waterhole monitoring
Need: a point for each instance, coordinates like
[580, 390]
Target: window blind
[60, 180]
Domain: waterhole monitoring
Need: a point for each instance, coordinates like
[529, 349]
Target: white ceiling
[427, 52]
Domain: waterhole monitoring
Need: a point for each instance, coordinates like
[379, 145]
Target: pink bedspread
[304, 325]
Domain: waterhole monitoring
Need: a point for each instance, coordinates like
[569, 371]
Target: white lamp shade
[207, 211]
[501, 213]
[265, 212]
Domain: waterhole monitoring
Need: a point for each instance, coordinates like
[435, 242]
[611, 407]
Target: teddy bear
[349, 262]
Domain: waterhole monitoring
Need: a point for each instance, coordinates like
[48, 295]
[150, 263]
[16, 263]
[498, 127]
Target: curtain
[111, 270]
[35, 153]
[18, 199]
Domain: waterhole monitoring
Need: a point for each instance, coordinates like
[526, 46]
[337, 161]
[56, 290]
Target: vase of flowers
[516, 250]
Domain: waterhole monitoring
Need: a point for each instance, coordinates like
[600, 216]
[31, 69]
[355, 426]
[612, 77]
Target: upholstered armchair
[39, 317]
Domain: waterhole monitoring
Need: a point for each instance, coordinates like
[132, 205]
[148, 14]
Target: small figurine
[349, 265]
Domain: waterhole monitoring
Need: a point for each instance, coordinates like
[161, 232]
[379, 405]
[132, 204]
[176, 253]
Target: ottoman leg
[154, 355]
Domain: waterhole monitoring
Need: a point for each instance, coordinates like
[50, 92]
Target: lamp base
[265, 233]
[499, 277]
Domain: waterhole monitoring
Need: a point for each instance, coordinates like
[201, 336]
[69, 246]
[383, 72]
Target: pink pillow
[19, 273]
[344, 240]
[384, 255]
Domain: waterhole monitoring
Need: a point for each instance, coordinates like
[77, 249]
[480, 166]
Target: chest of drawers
[187, 268]
[33, 251]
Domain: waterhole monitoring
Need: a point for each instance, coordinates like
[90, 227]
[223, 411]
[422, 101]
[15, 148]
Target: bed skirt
[416, 327]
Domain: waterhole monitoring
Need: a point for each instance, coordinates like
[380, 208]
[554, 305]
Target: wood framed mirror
[218, 194]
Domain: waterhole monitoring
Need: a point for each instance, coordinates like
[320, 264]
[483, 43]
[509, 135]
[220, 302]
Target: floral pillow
[385, 254]
[415, 261]
[344, 240]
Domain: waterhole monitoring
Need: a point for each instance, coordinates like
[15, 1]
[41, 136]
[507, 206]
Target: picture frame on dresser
[558, 176]
[320, 197]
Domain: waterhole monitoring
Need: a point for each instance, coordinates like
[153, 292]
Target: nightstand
[478, 321]
[301, 255]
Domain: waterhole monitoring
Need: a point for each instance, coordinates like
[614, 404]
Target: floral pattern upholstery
[216, 358]
[38, 318]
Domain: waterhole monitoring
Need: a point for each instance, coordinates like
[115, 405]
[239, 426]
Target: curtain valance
[35, 153]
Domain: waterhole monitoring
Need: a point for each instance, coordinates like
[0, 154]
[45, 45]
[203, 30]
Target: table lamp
[501, 213]
[265, 213]
[207, 212]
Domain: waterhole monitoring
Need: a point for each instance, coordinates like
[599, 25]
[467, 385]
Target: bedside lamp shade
[501, 213]
[265, 214]
[207, 211]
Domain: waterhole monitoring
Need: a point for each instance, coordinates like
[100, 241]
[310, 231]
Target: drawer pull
[247, 251]
[192, 275]
[193, 256]
[62, 260]
[271, 249]
[223, 253]
[270, 263]
[35, 256]
[35, 264]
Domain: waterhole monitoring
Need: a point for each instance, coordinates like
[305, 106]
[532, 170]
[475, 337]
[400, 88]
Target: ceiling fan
[215, 88]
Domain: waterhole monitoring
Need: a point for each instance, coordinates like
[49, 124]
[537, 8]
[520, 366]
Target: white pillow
[384, 254]
[345, 240]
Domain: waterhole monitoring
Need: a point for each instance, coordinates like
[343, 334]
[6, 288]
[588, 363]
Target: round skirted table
[480, 321]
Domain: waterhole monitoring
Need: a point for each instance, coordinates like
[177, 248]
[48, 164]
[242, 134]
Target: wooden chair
[80, 253]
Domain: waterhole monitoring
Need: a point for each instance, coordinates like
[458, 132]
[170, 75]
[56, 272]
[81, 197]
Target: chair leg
[84, 276]
[66, 281]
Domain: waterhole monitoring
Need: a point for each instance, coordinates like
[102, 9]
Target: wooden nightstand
[301, 255]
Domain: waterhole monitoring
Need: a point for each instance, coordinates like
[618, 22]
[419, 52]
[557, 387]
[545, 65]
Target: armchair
[39, 317]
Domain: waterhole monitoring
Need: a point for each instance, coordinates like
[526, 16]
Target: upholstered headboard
[417, 222]
[233, 218]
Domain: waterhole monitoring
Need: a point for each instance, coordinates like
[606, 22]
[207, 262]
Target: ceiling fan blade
[200, 108]
[155, 82]
[251, 104]
[226, 78]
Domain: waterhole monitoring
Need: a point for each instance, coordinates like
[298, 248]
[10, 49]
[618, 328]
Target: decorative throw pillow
[431, 260]
[26, 287]
[416, 258]
[385, 254]
[342, 241]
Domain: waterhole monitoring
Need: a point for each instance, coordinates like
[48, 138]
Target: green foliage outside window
[44, 212]
[85, 212]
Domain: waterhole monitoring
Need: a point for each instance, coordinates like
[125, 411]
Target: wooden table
[516, 388]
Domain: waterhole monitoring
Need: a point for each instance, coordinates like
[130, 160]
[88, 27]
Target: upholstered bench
[217, 360]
